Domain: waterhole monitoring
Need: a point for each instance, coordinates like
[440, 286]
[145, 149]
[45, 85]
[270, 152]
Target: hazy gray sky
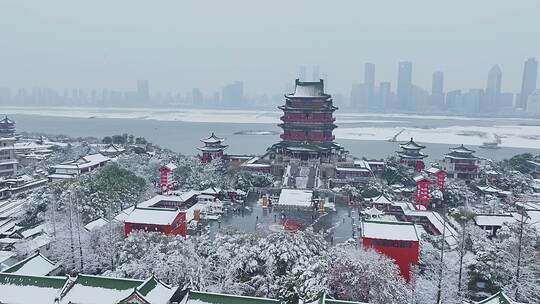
[178, 45]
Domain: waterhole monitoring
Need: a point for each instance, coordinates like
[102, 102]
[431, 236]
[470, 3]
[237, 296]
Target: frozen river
[362, 134]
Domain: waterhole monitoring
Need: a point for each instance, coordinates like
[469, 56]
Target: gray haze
[179, 45]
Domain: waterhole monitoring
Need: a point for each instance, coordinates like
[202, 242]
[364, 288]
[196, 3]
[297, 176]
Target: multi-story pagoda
[7, 127]
[461, 163]
[213, 148]
[411, 155]
[307, 124]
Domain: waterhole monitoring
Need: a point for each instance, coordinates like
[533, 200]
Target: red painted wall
[404, 253]
[178, 227]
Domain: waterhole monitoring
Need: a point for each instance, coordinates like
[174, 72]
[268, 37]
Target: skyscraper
[232, 94]
[369, 82]
[404, 84]
[385, 94]
[437, 90]
[528, 84]
[493, 90]
[437, 83]
[143, 90]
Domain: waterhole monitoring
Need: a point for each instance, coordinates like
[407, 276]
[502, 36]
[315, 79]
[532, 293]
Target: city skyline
[365, 95]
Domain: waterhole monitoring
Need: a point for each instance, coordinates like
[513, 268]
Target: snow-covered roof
[152, 216]
[112, 149]
[96, 289]
[211, 191]
[199, 297]
[96, 158]
[433, 170]
[493, 219]
[489, 189]
[15, 288]
[411, 145]
[165, 198]
[295, 197]
[97, 223]
[185, 195]
[307, 89]
[34, 265]
[123, 215]
[212, 139]
[156, 292]
[381, 199]
[436, 220]
[170, 166]
[419, 178]
[373, 211]
[462, 149]
[353, 169]
[84, 162]
[396, 231]
[498, 298]
[6, 255]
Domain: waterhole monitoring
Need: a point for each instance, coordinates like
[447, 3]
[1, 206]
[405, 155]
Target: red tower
[421, 194]
[439, 177]
[213, 148]
[411, 155]
[166, 178]
[307, 123]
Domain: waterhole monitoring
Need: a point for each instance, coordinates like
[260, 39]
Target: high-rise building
[437, 83]
[232, 94]
[437, 90]
[197, 97]
[358, 97]
[493, 90]
[404, 84]
[533, 102]
[369, 82]
[385, 94]
[528, 84]
[143, 90]
[454, 100]
[472, 100]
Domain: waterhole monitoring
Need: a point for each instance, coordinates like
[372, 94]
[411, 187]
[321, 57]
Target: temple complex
[213, 148]
[307, 124]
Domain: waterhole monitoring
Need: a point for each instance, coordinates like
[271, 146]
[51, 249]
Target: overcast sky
[178, 45]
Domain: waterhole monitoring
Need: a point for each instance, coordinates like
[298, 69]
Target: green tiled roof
[106, 282]
[23, 280]
[214, 298]
[148, 286]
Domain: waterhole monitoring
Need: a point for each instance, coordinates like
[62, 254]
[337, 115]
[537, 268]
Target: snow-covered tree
[364, 275]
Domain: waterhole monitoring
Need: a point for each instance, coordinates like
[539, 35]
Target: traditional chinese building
[396, 240]
[421, 193]
[164, 220]
[7, 127]
[461, 163]
[307, 124]
[166, 178]
[438, 177]
[213, 148]
[411, 155]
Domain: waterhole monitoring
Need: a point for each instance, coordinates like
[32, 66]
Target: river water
[364, 135]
